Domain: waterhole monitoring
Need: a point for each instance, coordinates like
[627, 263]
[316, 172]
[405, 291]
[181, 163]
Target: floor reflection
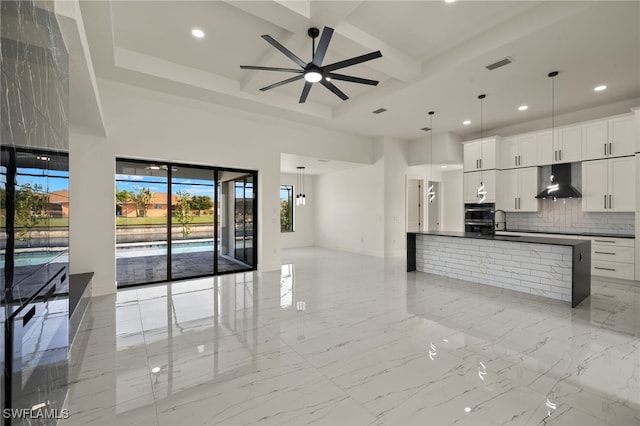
[336, 338]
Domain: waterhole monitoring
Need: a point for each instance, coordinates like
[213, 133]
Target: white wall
[156, 126]
[396, 154]
[453, 205]
[303, 216]
[350, 209]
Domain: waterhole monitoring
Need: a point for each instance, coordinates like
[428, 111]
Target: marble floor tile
[337, 338]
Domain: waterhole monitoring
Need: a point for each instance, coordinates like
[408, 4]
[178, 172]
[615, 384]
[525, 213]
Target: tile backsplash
[566, 216]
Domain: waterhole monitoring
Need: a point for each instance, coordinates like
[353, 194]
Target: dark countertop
[522, 239]
[584, 234]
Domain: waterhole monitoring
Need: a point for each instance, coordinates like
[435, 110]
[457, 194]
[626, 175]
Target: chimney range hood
[560, 184]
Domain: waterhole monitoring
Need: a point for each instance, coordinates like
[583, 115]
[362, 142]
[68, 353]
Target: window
[286, 208]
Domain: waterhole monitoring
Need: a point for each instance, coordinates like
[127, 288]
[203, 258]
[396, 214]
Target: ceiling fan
[314, 71]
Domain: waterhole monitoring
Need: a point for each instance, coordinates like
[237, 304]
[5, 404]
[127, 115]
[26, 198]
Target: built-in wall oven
[479, 218]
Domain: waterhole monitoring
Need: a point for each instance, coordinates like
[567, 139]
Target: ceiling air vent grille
[500, 63]
[379, 111]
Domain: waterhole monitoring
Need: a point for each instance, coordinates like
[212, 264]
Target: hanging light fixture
[430, 192]
[481, 193]
[553, 185]
[301, 198]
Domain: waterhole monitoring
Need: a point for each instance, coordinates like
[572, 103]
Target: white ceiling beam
[534, 19]
[394, 62]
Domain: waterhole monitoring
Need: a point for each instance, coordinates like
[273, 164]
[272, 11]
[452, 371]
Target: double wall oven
[479, 218]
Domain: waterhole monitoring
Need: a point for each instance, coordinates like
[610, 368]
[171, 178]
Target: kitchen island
[556, 268]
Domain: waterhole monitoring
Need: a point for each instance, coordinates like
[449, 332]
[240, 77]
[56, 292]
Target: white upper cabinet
[569, 144]
[473, 180]
[564, 145]
[518, 190]
[613, 137]
[519, 151]
[480, 154]
[607, 185]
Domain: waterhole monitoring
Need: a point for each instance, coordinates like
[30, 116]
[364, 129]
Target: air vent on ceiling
[379, 111]
[426, 129]
[500, 63]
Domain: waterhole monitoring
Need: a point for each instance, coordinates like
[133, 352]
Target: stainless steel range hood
[559, 184]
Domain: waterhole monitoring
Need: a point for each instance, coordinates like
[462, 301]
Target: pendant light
[481, 193]
[553, 185]
[430, 192]
[301, 198]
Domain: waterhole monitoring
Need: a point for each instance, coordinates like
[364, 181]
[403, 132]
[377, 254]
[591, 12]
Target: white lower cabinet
[518, 190]
[613, 257]
[473, 180]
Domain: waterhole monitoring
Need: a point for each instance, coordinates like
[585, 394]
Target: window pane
[286, 208]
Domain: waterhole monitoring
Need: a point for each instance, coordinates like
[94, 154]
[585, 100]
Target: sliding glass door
[176, 221]
[236, 226]
[192, 222]
[141, 222]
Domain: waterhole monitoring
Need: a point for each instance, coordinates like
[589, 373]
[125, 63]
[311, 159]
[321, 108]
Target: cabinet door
[489, 179]
[528, 145]
[509, 153]
[509, 192]
[621, 136]
[545, 147]
[594, 186]
[622, 174]
[528, 190]
[489, 149]
[471, 156]
[471, 182]
[594, 140]
[570, 144]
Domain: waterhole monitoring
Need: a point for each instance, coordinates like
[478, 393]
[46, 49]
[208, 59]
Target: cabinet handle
[604, 241]
[609, 148]
[555, 155]
[481, 163]
[515, 159]
[604, 269]
[605, 252]
[609, 200]
[605, 149]
[605, 201]
[560, 154]
[519, 160]
[515, 203]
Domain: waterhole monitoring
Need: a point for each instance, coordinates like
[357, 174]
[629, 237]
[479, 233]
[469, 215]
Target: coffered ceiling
[434, 57]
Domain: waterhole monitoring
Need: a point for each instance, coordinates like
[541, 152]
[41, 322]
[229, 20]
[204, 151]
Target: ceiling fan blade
[323, 44]
[352, 61]
[283, 82]
[305, 92]
[339, 93]
[284, 50]
[251, 67]
[352, 79]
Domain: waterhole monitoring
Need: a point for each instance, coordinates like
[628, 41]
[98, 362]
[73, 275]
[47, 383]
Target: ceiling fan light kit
[314, 71]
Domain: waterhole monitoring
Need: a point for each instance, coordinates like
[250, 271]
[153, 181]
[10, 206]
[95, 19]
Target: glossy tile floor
[337, 338]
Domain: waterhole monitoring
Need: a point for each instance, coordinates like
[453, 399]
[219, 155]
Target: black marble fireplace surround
[34, 87]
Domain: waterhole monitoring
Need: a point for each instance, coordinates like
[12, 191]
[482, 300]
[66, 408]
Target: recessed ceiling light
[523, 108]
[599, 88]
[466, 122]
[449, 1]
[197, 33]
[444, 340]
